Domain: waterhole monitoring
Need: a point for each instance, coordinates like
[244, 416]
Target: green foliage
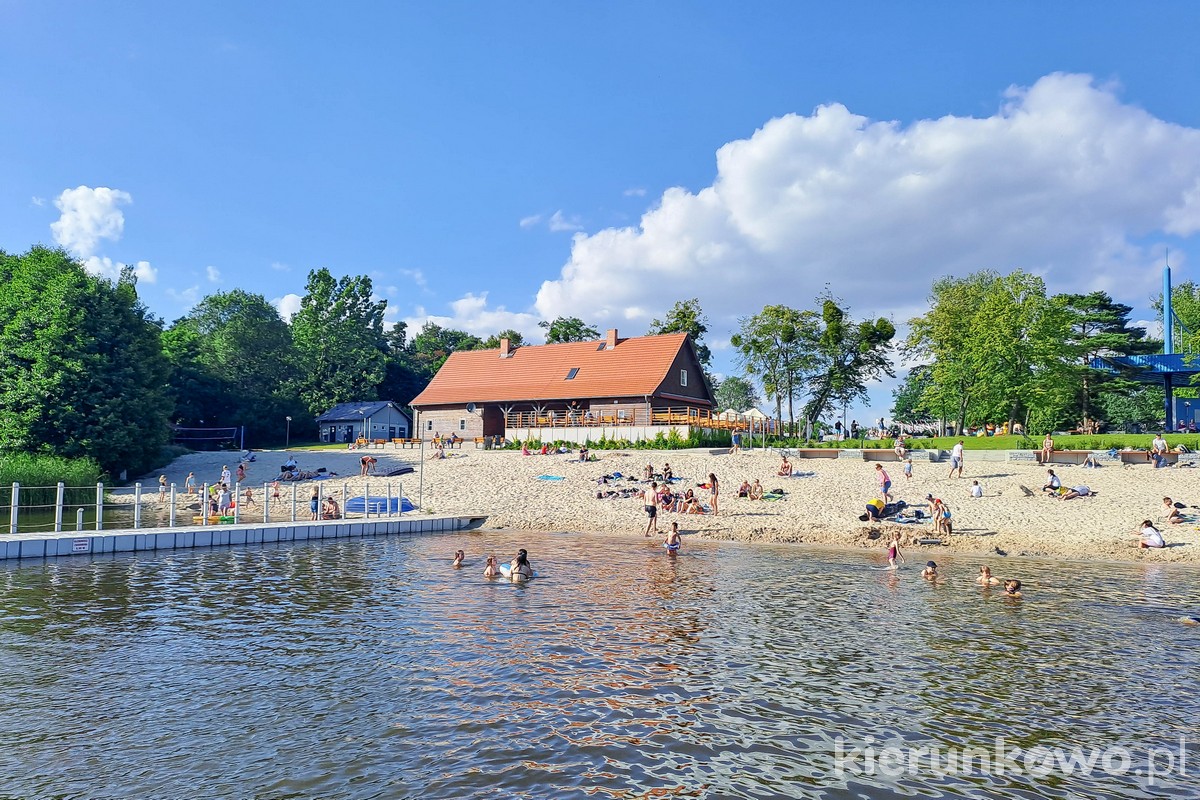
[39, 476]
[909, 398]
[82, 372]
[337, 334]
[515, 339]
[736, 393]
[846, 357]
[433, 345]
[776, 345]
[687, 317]
[568, 329]
[232, 356]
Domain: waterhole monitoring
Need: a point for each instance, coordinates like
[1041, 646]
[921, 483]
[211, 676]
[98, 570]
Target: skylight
[574, 371]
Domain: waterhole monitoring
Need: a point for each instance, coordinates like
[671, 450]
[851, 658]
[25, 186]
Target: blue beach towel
[551, 477]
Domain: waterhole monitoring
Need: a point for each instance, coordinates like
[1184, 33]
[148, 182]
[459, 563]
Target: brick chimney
[611, 342]
[505, 352]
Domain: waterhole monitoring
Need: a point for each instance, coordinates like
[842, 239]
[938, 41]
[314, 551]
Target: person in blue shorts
[673, 539]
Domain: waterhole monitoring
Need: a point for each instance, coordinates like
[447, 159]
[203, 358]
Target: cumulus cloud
[107, 268]
[471, 314]
[89, 215]
[287, 305]
[1064, 180]
[213, 274]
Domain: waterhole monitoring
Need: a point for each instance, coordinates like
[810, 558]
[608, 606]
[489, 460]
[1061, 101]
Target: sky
[491, 165]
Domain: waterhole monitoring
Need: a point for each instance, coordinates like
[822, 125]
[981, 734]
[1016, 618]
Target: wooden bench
[406, 442]
[480, 441]
[1143, 457]
[378, 442]
[816, 452]
[1065, 457]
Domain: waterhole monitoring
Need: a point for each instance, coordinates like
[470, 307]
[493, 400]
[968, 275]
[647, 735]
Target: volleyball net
[207, 438]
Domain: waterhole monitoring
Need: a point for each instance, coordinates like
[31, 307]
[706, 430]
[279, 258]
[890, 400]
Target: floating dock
[88, 543]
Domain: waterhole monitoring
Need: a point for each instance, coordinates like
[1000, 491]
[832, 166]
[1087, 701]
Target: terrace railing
[681, 415]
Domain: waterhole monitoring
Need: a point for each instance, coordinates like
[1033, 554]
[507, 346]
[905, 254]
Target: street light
[288, 438]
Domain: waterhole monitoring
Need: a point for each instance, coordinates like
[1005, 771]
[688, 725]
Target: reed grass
[39, 476]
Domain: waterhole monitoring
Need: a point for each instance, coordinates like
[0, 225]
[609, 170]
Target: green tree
[1100, 328]
[237, 343]
[403, 378]
[515, 340]
[337, 333]
[736, 393]
[81, 366]
[433, 345]
[686, 317]
[845, 356]
[908, 399]
[777, 346]
[568, 329]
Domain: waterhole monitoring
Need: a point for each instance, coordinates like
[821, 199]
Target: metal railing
[599, 417]
[134, 508]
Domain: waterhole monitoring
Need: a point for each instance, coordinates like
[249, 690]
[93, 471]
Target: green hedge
[40, 475]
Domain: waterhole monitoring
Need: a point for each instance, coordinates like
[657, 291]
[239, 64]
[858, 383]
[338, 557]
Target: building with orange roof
[620, 388]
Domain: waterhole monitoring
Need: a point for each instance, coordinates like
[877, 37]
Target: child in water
[492, 570]
[1012, 588]
[894, 551]
[930, 572]
[985, 577]
[458, 559]
[673, 539]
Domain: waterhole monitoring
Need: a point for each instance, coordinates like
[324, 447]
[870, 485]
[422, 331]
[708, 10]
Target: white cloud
[38, 201]
[186, 297]
[471, 314]
[89, 215]
[636, 191]
[1063, 180]
[280, 267]
[213, 274]
[107, 268]
[560, 222]
[530, 221]
[287, 305]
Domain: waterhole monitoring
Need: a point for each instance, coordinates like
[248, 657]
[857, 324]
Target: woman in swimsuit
[714, 491]
[492, 570]
[894, 551]
[985, 577]
[520, 571]
[459, 557]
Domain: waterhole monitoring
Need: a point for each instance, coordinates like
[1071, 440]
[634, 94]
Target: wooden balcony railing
[682, 415]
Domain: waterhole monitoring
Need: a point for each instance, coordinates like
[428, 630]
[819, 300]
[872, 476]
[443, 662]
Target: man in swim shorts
[650, 504]
[956, 459]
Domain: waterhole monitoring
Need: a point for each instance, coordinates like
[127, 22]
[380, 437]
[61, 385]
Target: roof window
[571, 375]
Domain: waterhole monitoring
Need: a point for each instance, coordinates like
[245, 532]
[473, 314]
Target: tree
[82, 372]
[568, 329]
[337, 332]
[845, 357]
[433, 345]
[736, 393]
[686, 317]
[236, 351]
[403, 377]
[515, 340]
[1099, 328]
[776, 346]
[908, 399]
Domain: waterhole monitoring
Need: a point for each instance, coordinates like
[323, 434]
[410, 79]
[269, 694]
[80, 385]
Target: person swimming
[930, 572]
[459, 557]
[985, 577]
[519, 569]
[1012, 588]
[492, 570]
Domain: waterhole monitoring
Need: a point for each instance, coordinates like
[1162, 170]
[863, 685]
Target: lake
[371, 669]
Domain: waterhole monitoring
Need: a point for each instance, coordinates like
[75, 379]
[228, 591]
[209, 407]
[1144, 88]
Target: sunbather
[1170, 512]
[785, 469]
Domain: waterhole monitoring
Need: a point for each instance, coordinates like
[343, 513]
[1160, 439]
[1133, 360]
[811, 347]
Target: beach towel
[551, 477]
[803, 475]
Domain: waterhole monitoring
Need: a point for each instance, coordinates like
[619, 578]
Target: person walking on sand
[713, 491]
[248, 497]
[736, 441]
[885, 483]
[650, 505]
[190, 484]
[162, 488]
[908, 469]
[241, 472]
[956, 459]
[226, 475]
[314, 503]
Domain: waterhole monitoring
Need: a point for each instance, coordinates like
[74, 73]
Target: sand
[822, 509]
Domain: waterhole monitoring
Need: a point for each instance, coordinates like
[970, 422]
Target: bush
[39, 476]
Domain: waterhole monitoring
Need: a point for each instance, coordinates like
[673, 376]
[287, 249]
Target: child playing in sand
[1170, 512]
[908, 468]
[492, 570]
[894, 551]
[976, 490]
[274, 490]
[1012, 588]
[1151, 537]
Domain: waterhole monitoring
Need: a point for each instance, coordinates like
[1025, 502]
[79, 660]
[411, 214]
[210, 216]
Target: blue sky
[490, 165]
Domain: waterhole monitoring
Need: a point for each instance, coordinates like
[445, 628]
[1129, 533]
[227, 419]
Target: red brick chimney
[505, 352]
[612, 339]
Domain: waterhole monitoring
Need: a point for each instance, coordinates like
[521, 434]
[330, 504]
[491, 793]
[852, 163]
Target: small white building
[373, 419]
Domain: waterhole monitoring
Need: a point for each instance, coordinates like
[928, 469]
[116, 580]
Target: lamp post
[287, 441]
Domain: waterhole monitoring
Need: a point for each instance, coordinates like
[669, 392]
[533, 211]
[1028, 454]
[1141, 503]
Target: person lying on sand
[1077, 491]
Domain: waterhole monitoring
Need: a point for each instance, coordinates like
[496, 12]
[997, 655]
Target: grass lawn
[1101, 441]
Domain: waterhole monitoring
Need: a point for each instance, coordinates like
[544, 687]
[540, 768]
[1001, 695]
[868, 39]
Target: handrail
[600, 417]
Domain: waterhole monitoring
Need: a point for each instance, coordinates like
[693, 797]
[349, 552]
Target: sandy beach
[822, 508]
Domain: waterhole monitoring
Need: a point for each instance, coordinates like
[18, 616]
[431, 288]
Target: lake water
[370, 669]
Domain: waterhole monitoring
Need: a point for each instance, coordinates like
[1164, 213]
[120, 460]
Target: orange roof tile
[636, 367]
